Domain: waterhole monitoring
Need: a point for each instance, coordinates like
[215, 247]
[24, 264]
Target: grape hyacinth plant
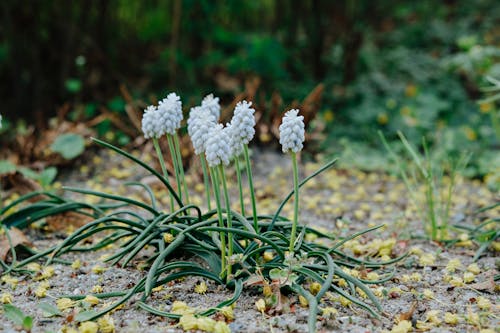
[236, 251]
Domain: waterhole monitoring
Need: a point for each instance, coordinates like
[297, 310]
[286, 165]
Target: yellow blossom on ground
[457, 281]
[40, 292]
[451, 318]
[372, 276]
[344, 301]
[221, 327]
[181, 308]
[98, 269]
[404, 326]
[6, 298]
[92, 300]
[474, 268]
[66, 329]
[76, 264]
[47, 272]
[9, 280]
[314, 288]
[168, 237]
[106, 324]
[303, 301]
[188, 322]
[483, 303]
[405, 278]
[64, 303]
[416, 277]
[267, 291]
[260, 304]
[416, 250]
[427, 259]
[88, 327]
[379, 292]
[433, 316]
[428, 294]
[486, 330]
[34, 266]
[453, 265]
[329, 311]
[201, 288]
[227, 311]
[469, 277]
[97, 289]
[423, 325]
[473, 318]
[206, 324]
[268, 256]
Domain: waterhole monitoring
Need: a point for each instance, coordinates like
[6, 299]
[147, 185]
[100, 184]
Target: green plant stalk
[229, 221]
[176, 164]
[250, 184]
[295, 203]
[222, 235]
[240, 188]
[206, 180]
[163, 168]
[430, 194]
[181, 166]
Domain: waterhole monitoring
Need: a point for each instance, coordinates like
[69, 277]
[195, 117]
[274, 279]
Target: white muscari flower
[292, 131]
[200, 122]
[243, 122]
[170, 110]
[212, 104]
[151, 126]
[217, 148]
[235, 143]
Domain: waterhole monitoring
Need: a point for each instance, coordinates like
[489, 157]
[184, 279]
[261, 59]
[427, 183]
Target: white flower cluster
[0, 121]
[200, 122]
[217, 146]
[151, 123]
[243, 122]
[212, 104]
[292, 131]
[170, 109]
[164, 119]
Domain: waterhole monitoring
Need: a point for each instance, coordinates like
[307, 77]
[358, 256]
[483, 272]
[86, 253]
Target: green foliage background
[415, 66]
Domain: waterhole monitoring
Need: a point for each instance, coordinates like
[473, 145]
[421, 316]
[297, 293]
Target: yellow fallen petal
[221, 327]
[106, 324]
[260, 304]
[451, 318]
[92, 300]
[88, 327]
[6, 298]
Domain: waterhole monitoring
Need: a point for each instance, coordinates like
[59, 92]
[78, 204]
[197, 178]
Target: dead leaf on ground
[17, 237]
[61, 222]
[488, 284]
[408, 314]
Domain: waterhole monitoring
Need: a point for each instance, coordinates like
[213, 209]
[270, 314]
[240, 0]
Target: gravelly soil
[340, 201]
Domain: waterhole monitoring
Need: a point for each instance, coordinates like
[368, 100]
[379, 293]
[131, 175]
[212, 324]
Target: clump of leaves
[18, 317]
[133, 225]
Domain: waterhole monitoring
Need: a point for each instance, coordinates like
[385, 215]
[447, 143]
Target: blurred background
[353, 67]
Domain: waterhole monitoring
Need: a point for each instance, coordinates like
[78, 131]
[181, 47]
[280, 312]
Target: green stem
[229, 220]
[240, 188]
[176, 164]
[222, 235]
[206, 180]
[296, 201]
[181, 167]
[163, 168]
[252, 192]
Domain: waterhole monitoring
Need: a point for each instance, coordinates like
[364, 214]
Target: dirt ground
[437, 295]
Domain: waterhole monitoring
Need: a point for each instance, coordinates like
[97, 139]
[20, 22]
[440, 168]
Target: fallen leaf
[17, 237]
[408, 314]
[61, 222]
[488, 284]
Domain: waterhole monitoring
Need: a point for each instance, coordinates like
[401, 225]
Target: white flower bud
[292, 131]
[170, 110]
[151, 126]
[235, 143]
[217, 146]
[212, 104]
[200, 122]
[243, 122]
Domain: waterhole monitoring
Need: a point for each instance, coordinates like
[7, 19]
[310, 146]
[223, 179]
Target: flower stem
[296, 201]
[206, 180]
[181, 167]
[238, 175]
[163, 169]
[222, 235]
[229, 220]
[252, 192]
[176, 164]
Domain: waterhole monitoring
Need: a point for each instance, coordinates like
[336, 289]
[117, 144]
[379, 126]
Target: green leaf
[7, 167]
[47, 176]
[73, 85]
[14, 314]
[27, 323]
[85, 315]
[49, 310]
[68, 145]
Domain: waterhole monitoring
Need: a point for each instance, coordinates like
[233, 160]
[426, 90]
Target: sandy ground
[339, 201]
